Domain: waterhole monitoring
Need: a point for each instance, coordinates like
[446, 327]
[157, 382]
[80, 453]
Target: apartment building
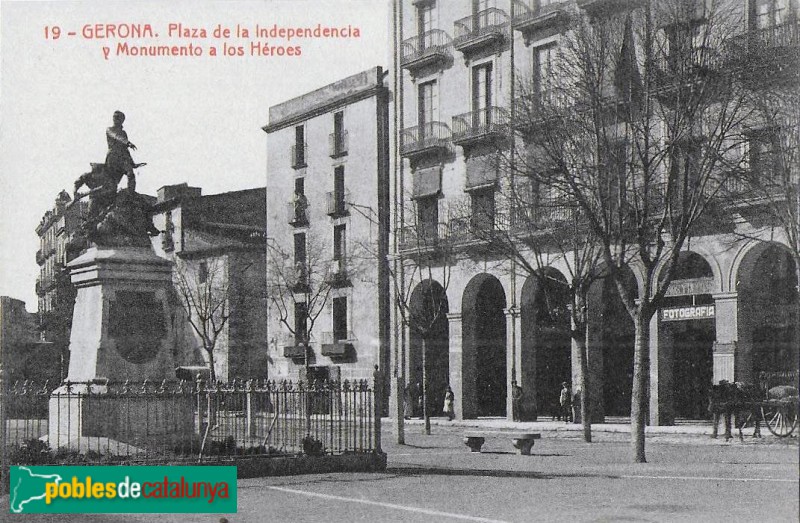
[217, 243]
[731, 311]
[327, 223]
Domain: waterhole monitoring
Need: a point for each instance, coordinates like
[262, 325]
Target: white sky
[195, 120]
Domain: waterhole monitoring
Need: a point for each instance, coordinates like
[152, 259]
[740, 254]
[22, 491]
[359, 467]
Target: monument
[122, 325]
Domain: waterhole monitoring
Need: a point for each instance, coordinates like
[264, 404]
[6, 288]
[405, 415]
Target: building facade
[23, 352]
[217, 243]
[731, 312]
[327, 222]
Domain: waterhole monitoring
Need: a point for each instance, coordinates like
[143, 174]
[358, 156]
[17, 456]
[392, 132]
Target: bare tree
[420, 278]
[205, 290]
[634, 131]
[533, 233]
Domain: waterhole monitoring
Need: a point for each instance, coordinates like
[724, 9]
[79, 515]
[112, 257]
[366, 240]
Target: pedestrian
[419, 393]
[408, 402]
[516, 401]
[565, 400]
[576, 406]
[449, 407]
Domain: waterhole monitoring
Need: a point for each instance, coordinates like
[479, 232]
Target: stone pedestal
[121, 331]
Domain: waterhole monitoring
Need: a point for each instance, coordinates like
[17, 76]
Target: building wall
[724, 252]
[363, 101]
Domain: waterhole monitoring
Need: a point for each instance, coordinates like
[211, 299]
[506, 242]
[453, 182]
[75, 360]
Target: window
[428, 103]
[299, 147]
[339, 242]
[202, 272]
[685, 158]
[544, 61]
[300, 322]
[764, 154]
[338, 139]
[764, 14]
[482, 87]
[340, 319]
[427, 218]
[338, 191]
[482, 209]
[300, 248]
[426, 22]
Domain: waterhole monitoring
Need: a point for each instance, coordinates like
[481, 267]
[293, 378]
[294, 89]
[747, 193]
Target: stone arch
[428, 329]
[484, 347]
[767, 302]
[545, 355]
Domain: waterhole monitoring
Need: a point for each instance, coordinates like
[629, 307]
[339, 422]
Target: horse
[739, 401]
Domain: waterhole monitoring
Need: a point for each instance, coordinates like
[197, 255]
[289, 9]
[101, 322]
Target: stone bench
[524, 441]
[474, 441]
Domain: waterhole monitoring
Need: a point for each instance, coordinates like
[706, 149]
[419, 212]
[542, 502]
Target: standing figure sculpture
[118, 158]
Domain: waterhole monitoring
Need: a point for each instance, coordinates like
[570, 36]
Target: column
[727, 329]
[464, 406]
[513, 357]
[661, 375]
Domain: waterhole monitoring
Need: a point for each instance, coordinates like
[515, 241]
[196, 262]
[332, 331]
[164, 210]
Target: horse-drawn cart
[781, 404]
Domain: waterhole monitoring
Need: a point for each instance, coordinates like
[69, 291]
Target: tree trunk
[425, 413]
[583, 383]
[400, 410]
[639, 393]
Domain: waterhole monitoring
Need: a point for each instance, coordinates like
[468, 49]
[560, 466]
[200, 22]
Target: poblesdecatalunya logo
[122, 489]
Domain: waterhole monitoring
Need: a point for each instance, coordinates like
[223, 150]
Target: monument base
[87, 417]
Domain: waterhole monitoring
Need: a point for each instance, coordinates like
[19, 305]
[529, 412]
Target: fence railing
[98, 422]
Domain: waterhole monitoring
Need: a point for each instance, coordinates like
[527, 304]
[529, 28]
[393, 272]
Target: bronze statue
[115, 218]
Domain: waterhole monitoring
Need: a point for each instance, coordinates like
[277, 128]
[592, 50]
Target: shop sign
[698, 312]
[690, 287]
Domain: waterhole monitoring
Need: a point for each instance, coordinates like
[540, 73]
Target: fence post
[199, 398]
[376, 394]
[251, 427]
[4, 468]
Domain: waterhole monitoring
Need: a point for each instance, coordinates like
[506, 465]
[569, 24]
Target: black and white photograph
[399, 260]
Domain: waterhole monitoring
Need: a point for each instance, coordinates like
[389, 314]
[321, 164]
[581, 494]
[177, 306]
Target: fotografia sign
[697, 312]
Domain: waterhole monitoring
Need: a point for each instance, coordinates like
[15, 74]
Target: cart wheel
[781, 420]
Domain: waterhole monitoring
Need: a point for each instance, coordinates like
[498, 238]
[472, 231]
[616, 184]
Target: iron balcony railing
[488, 123]
[337, 203]
[533, 15]
[299, 155]
[477, 228]
[420, 139]
[425, 49]
[338, 275]
[547, 214]
[479, 29]
[423, 237]
[297, 213]
[785, 35]
[337, 144]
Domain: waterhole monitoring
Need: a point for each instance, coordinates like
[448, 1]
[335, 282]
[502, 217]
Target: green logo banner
[122, 489]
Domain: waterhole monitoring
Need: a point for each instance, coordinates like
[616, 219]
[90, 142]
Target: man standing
[118, 158]
[565, 400]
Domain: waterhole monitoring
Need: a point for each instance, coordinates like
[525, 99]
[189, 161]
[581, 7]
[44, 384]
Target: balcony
[338, 275]
[430, 48]
[422, 238]
[536, 108]
[338, 203]
[532, 16]
[775, 46]
[336, 346]
[429, 138]
[482, 125]
[547, 215]
[607, 7]
[337, 144]
[297, 213]
[484, 28]
[477, 230]
[295, 350]
[299, 154]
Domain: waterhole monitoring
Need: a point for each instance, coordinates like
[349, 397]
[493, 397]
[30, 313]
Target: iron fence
[101, 422]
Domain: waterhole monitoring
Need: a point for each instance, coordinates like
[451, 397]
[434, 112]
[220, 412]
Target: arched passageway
[428, 327]
[686, 369]
[545, 341]
[611, 339]
[768, 301]
[484, 342]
